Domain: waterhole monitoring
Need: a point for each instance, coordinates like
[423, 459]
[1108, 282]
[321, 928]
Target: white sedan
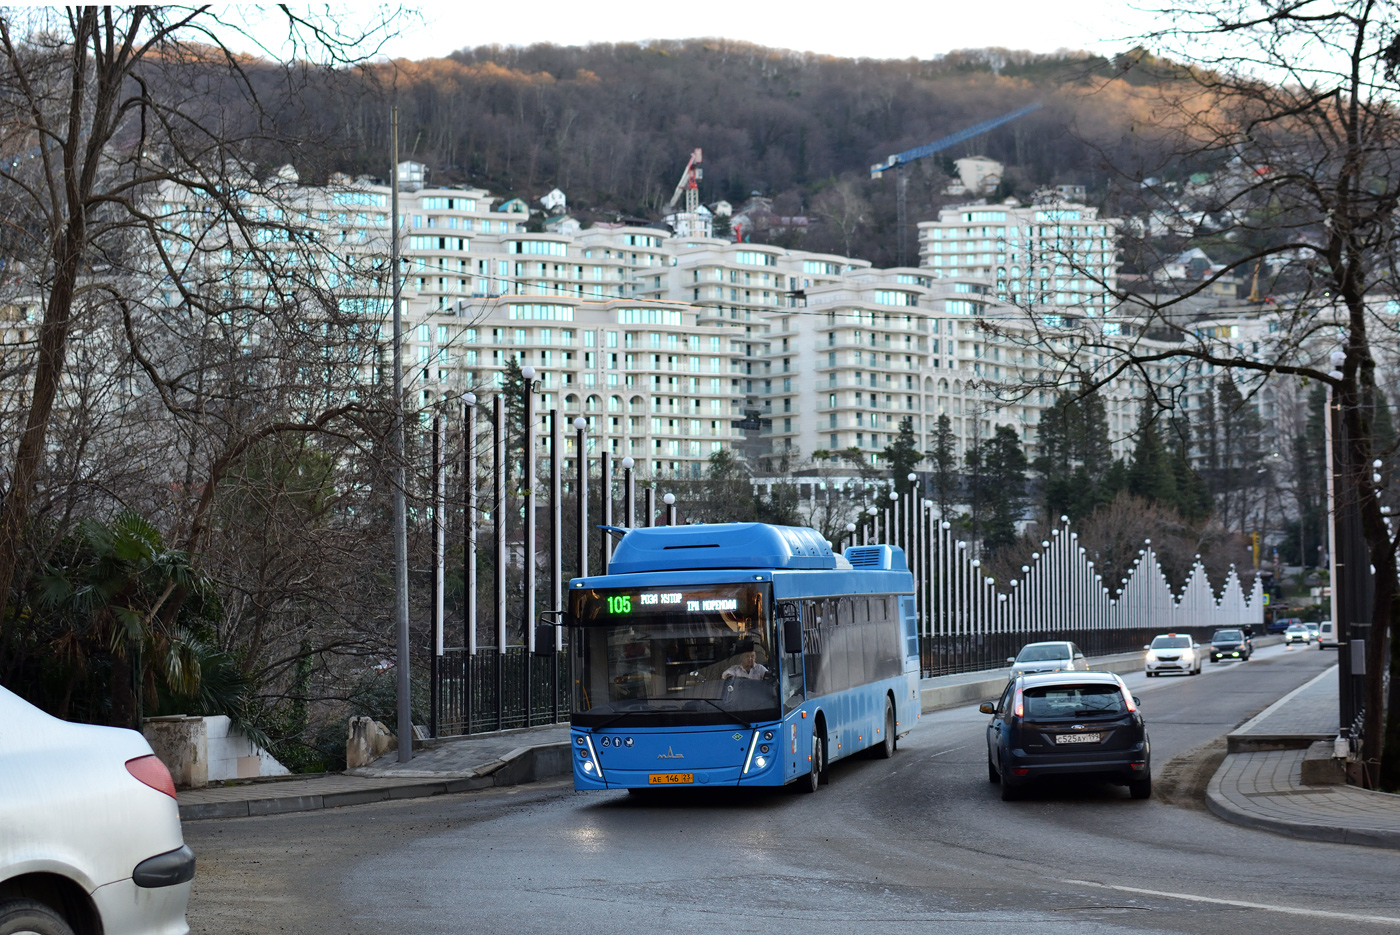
[1172, 652]
[91, 839]
[1297, 634]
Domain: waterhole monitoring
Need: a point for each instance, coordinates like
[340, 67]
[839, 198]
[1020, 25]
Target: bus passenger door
[793, 676]
[908, 711]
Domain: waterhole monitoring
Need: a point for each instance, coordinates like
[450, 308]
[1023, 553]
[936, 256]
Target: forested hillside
[613, 125]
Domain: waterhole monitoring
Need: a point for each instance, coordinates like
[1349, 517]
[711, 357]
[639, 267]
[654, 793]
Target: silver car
[1049, 656]
[91, 837]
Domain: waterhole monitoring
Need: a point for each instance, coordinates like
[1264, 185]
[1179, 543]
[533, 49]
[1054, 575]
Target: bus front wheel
[814, 775]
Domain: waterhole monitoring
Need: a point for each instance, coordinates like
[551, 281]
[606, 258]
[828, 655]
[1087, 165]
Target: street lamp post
[528, 496]
[670, 501]
[581, 492]
[470, 571]
[469, 481]
[629, 494]
[605, 476]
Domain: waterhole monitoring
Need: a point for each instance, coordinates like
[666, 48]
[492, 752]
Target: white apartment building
[1061, 255]
[651, 380]
[691, 334]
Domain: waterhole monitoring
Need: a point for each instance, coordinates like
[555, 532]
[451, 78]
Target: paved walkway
[461, 764]
[1263, 788]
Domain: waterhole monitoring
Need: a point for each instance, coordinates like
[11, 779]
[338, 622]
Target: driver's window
[1005, 700]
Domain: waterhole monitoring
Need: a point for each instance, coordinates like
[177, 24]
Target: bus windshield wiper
[623, 714]
[729, 714]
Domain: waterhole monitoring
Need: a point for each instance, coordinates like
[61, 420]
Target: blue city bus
[738, 654]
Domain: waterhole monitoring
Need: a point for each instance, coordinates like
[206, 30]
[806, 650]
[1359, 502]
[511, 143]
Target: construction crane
[689, 185]
[900, 160]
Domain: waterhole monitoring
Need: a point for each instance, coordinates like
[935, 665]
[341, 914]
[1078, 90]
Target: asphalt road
[920, 843]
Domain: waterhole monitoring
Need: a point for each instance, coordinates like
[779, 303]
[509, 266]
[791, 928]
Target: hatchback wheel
[30, 917]
[992, 774]
[1140, 788]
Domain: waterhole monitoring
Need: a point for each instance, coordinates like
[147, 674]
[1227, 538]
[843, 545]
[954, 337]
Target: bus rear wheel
[885, 750]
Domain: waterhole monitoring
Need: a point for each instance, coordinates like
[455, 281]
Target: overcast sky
[893, 29]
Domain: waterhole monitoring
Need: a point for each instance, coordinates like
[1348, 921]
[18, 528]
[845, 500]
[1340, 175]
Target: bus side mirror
[544, 639]
[792, 634]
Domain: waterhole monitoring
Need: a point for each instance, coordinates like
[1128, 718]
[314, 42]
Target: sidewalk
[462, 764]
[1260, 783]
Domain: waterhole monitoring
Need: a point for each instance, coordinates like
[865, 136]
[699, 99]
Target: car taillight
[1019, 707]
[151, 771]
[1128, 700]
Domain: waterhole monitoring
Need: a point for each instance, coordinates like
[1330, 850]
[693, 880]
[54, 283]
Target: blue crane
[900, 160]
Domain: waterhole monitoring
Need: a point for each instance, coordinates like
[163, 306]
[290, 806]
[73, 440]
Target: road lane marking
[1242, 904]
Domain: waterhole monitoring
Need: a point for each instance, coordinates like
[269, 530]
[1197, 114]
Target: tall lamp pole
[396, 452]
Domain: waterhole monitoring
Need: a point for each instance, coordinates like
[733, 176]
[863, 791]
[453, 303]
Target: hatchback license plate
[1078, 738]
[670, 779]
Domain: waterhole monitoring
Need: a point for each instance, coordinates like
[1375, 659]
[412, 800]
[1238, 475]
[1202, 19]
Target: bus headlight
[588, 766]
[760, 761]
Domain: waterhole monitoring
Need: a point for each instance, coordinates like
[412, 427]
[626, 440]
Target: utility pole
[396, 452]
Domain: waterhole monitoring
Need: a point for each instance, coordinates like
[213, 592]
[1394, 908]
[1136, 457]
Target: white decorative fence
[968, 621]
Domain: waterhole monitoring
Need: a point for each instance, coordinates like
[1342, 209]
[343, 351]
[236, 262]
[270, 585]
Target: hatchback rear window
[1043, 653]
[1074, 701]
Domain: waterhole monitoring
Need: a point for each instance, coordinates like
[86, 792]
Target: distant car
[91, 839]
[1230, 643]
[1051, 656]
[1280, 624]
[1083, 724]
[1297, 633]
[1171, 652]
[1326, 634]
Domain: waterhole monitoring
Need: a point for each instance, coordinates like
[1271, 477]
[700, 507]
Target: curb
[1222, 808]
[521, 765]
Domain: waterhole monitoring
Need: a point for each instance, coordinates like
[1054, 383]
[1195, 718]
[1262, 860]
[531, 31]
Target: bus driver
[748, 666]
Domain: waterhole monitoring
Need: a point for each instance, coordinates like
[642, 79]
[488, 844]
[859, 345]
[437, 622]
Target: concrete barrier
[958, 691]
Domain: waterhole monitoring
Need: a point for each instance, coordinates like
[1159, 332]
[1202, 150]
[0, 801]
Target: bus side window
[909, 626]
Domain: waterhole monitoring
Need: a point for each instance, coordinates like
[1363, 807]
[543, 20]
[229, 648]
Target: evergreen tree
[1310, 476]
[1075, 456]
[1003, 464]
[903, 455]
[1150, 474]
[515, 389]
[1240, 452]
[944, 458]
[1193, 501]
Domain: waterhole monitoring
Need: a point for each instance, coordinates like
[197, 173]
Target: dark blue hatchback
[1067, 724]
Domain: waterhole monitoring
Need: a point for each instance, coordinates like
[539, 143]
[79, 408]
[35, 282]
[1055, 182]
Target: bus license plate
[1078, 738]
[670, 779]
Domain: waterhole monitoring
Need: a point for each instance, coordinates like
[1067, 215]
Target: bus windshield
[674, 656]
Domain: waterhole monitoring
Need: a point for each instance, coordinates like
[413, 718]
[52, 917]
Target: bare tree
[1291, 109]
[173, 328]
